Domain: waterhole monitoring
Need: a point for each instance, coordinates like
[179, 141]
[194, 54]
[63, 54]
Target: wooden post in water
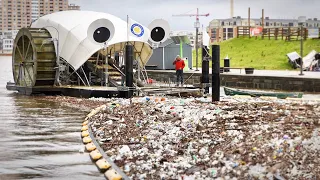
[215, 73]
[129, 69]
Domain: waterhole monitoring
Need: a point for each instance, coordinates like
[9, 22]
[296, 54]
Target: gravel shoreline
[192, 138]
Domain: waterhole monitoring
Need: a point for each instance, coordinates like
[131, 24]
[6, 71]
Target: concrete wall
[247, 81]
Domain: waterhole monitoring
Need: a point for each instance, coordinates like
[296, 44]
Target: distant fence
[284, 33]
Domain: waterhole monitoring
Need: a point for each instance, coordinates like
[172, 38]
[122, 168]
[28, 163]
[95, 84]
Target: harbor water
[39, 139]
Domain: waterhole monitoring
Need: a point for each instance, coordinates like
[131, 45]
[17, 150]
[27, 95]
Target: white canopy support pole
[138, 63]
[84, 73]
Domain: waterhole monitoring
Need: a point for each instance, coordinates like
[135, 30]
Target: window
[222, 23]
[267, 23]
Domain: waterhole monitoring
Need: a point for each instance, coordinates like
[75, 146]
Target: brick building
[223, 29]
[16, 14]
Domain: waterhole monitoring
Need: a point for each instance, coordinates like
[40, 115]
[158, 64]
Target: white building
[7, 45]
[7, 40]
[191, 35]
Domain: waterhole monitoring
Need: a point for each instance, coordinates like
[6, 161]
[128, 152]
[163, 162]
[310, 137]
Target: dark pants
[179, 74]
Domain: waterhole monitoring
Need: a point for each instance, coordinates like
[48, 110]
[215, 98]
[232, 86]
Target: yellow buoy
[85, 123]
[85, 127]
[86, 140]
[268, 98]
[242, 96]
[95, 155]
[111, 174]
[90, 147]
[103, 165]
[85, 133]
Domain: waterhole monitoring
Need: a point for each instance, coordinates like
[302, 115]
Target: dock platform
[102, 91]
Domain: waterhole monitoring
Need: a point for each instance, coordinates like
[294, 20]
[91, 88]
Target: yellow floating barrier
[85, 123]
[90, 147]
[85, 133]
[268, 98]
[294, 99]
[111, 174]
[85, 127]
[95, 155]
[86, 140]
[242, 96]
[103, 165]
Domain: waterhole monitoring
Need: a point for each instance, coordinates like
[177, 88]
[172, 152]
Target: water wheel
[33, 58]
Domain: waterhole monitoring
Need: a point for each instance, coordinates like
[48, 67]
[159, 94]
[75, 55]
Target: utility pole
[197, 26]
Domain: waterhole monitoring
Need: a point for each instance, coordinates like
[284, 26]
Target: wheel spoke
[27, 62]
[27, 52]
[19, 75]
[29, 74]
[17, 47]
[24, 77]
[23, 46]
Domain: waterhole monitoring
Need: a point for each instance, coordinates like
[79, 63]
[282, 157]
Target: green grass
[260, 54]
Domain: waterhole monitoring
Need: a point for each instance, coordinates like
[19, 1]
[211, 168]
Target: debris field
[193, 138]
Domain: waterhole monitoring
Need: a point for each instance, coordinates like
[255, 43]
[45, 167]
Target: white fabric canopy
[74, 45]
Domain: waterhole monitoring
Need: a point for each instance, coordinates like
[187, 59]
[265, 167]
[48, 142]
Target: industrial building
[74, 7]
[165, 54]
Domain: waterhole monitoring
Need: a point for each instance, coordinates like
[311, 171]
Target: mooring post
[205, 68]
[215, 73]
[129, 70]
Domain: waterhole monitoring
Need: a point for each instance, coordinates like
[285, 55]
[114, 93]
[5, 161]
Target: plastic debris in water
[286, 137]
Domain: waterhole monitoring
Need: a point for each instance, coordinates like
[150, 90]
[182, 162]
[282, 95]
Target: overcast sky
[144, 11]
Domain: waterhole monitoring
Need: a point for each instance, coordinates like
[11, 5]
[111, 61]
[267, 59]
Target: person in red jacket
[179, 65]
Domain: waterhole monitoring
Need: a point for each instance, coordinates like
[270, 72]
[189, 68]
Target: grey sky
[144, 11]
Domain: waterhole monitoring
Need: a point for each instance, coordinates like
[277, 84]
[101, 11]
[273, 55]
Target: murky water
[39, 139]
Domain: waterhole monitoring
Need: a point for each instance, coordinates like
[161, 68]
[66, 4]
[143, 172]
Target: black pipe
[116, 59]
[205, 68]
[215, 73]
[129, 69]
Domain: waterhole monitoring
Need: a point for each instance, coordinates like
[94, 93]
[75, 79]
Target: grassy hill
[261, 54]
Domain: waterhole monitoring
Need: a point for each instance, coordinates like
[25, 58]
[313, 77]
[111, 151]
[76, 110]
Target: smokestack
[249, 20]
[231, 8]
[262, 19]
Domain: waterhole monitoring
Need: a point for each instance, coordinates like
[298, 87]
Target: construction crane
[196, 25]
